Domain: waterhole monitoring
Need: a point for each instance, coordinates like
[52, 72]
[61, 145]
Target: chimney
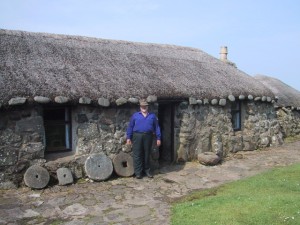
[223, 53]
[223, 56]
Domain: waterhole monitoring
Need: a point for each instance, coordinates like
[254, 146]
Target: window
[236, 115]
[57, 122]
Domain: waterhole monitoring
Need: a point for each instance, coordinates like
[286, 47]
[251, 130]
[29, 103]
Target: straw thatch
[40, 64]
[287, 96]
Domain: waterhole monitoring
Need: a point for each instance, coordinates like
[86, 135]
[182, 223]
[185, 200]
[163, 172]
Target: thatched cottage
[287, 106]
[73, 96]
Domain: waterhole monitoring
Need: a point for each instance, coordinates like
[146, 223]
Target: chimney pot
[223, 53]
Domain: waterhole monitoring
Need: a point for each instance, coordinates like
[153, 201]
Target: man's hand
[128, 142]
[158, 143]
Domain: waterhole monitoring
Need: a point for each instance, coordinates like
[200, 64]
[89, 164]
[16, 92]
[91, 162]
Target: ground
[132, 201]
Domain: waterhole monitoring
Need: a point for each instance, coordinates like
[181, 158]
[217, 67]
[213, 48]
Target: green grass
[272, 197]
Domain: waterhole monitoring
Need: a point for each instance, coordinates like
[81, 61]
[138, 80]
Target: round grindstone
[98, 167]
[36, 177]
[64, 176]
[123, 164]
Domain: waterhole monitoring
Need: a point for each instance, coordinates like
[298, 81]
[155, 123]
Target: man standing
[142, 126]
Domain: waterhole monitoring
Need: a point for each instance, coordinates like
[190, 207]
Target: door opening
[166, 122]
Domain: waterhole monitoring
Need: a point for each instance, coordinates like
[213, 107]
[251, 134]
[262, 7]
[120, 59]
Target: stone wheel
[123, 164]
[64, 176]
[36, 177]
[98, 167]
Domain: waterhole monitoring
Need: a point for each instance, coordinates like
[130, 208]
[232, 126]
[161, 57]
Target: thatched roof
[40, 64]
[287, 96]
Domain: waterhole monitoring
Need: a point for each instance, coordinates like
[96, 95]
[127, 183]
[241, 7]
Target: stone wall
[208, 128]
[101, 130]
[198, 128]
[21, 143]
[289, 121]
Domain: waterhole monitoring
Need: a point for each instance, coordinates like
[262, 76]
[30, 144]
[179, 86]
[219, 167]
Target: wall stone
[289, 122]
[208, 128]
[103, 130]
[21, 141]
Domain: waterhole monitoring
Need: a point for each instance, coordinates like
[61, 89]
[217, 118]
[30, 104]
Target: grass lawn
[269, 198]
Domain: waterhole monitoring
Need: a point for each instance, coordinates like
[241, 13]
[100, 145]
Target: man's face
[144, 108]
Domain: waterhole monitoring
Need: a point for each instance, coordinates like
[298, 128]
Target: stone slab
[36, 177]
[98, 167]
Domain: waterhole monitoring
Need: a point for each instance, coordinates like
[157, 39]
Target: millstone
[98, 167]
[123, 164]
[36, 177]
[64, 176]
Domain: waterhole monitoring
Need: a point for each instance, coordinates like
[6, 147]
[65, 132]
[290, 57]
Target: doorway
[166, 123]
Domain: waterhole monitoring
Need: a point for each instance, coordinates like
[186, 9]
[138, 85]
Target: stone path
[130, 201]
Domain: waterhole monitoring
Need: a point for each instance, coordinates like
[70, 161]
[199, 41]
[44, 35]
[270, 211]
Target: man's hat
[143, 102]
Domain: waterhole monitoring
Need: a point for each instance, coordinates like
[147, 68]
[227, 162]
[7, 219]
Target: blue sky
[262, 36]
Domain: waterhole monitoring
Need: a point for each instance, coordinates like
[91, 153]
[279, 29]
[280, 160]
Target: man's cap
[143, 102]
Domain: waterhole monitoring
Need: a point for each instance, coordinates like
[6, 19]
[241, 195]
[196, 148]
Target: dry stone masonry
[202, 131]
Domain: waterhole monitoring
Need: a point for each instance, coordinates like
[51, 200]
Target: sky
[262, 36]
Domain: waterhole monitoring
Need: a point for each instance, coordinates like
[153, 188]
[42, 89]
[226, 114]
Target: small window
[57, 122]
[236, 115]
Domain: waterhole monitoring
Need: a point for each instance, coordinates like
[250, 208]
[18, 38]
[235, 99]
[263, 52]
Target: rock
[151, 98]
[199, 102]
[242, 97]
[269, 99]
[214, 101]
[103, 102]
[98, 167]
[183, 105]
[257, 99]
[17, 101]
[61, 99]
[36, 177]
[64, 176]
[123, 164]
[192, 101]
[133, 100]
[205, 101]
[250, 97]
[231, 98]
[126, 148]
[41, 99]
[222, 102]
[85, 101]
[208, 158]
[264, 98]
[121, 101]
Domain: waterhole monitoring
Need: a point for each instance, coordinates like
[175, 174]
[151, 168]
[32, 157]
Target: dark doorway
[166, 122]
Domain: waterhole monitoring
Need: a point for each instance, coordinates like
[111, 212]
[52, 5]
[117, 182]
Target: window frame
[236, 115]
[67, 122]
